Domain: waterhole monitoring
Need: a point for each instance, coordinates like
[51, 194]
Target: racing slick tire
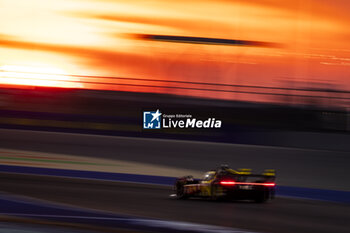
[214, 194]
[180, 191]
[262, 197]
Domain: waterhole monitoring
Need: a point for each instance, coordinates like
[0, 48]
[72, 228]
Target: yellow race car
[226, 183]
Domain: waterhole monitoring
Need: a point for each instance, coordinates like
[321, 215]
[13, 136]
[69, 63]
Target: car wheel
[180, 190]
[214, 194]
[262, 197]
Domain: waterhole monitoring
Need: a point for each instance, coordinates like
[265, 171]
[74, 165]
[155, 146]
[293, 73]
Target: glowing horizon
[37, 76]
[95, 38]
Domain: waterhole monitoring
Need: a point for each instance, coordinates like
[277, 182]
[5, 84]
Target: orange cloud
[93, 38]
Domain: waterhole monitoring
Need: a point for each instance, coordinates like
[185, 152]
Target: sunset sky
[47, 42]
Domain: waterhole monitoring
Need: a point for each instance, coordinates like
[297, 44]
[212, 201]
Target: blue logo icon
[151, 120]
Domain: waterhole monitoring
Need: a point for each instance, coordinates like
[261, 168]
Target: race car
[226, 183]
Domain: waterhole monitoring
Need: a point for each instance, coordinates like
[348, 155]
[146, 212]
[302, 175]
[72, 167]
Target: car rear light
[231, 183]
[227, 182]
[269, 184]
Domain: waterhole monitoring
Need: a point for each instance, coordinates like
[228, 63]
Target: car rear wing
[255, 178]
[269, 175]
[269, 172]
[248, 171]
[244, 171]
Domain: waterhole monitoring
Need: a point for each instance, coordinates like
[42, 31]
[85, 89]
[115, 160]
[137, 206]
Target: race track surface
[279, 216]
[322, 169]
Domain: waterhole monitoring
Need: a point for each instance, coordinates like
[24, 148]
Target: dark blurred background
[309, 123]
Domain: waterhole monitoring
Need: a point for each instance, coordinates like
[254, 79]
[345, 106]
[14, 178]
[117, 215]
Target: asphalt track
[296, 167]
[279, 216]
[322, 169]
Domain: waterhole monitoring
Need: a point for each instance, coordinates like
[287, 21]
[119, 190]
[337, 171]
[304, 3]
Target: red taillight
[269, 184]
[230, 183]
